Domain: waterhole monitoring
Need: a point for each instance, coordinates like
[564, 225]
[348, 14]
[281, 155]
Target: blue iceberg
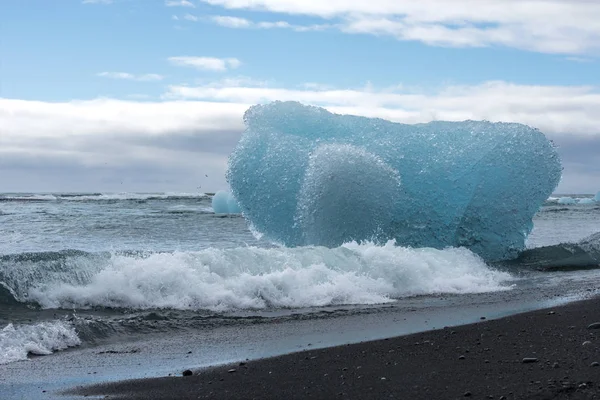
[566, 200]
[597, 198]
[586, 201]
[305, 176]
[223, 202]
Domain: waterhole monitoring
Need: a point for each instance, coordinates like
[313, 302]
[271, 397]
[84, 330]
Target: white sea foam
[258, 278]
[17, 341]
[38, 197]
[183, 208]
[571, 200]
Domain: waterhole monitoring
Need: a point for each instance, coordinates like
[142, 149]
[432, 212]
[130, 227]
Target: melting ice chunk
[303, 175]
[566, 200]
[223, 202]
[597, 198]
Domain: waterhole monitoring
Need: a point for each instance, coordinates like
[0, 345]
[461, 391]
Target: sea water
[79, 269]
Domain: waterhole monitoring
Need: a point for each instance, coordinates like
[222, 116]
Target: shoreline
[539, 354]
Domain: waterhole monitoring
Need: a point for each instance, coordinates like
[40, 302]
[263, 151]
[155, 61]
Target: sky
[149, 95]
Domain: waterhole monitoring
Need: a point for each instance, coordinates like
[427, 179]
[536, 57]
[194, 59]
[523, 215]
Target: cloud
[131, 77]
[206, 63]
[23, 119]
[179, 3]
[579, 59]
[194, 128]
[521, 24]
[239, 23]
[232, 22]
[554, 109]
[190, 17]
[97, 144]
[97, 1]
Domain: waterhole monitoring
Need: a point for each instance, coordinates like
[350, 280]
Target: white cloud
[231, 22]
[548, 26]
[554, 109]
[235, 22]
[190, 17]
[131, 77]
[206, 63]
[38, 119]
[179, 3]
[96, 144]
[196, 127]
[579, 59]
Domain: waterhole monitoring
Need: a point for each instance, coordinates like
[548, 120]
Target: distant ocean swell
[242, 278]
[101, 197]
[573, 200]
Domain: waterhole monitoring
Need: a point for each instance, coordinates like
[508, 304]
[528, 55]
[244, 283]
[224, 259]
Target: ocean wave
[185, 209]
[43, 338]
[28, 197]
[246, 277]
[102, 196]
[572, 200]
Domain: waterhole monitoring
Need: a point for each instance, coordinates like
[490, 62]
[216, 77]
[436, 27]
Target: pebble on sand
[595, 325]
[187, 372]
[529, 360]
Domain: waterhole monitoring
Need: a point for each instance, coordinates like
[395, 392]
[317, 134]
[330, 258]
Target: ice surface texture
[305, 176]
[223, 202]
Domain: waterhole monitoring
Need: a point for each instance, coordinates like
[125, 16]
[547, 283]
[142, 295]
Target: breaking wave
[244, 278]
[18, 341]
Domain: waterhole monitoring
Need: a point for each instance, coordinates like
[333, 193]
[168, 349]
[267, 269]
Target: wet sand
[544, 354]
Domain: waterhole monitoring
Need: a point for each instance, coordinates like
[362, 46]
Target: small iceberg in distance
[223, 202]
[305, 176]
[586, 200]
[597, 198]
[566, 200]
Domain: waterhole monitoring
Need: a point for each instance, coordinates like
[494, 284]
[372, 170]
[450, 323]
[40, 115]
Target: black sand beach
[545, 354]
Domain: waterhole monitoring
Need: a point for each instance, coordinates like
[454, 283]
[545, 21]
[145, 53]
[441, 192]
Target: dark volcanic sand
[477, 361]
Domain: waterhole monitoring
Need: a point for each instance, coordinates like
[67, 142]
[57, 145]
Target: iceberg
[305, 176]
[586, 201]
[566, 200]
[223, 202]
[597, 197]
